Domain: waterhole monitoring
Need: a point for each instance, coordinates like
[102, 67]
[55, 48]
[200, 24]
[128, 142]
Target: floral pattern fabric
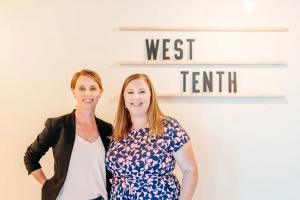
[142, 164]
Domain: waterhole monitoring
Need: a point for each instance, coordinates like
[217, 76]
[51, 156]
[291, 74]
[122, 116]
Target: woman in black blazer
[79, 141]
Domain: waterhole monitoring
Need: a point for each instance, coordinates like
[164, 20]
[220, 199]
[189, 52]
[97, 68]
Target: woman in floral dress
[146, 146]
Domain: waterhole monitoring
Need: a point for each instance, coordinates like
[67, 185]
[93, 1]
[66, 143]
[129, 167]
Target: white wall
[246, 148]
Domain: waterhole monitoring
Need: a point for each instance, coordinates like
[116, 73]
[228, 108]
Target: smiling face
[137, 97]
[87, 92]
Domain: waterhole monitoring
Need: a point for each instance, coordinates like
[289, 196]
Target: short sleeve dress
[142, 165]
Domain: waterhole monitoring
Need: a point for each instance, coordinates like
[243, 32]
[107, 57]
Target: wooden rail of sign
[180, 95]
[208, 29]
[174, 62]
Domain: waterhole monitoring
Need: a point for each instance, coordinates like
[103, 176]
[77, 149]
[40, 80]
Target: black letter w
[152, 50]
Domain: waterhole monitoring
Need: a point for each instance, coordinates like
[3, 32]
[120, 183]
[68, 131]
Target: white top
[86, 178]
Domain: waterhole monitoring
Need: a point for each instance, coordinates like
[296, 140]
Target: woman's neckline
[87, 141]
[137, 129]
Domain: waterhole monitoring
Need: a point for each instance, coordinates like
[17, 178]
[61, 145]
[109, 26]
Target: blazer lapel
[69, 137]
[104, 132]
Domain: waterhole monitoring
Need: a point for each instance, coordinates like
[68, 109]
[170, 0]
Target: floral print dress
[142, 165]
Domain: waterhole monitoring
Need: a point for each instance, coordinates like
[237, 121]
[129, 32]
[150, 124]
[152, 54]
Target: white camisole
[86, 178]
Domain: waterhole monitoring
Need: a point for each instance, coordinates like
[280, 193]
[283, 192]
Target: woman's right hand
[39, 176]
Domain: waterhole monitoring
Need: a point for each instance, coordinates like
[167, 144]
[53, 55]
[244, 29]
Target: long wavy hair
[123, 121]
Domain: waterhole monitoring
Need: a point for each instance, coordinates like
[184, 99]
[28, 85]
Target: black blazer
[59, 133]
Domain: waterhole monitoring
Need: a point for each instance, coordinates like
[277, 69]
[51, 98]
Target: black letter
[184, 73]
[195, 82]
[165, 49]
[220, 80]
[207, 82]
[191, 49]
[230, 82]
[180, 56]
[152, 50]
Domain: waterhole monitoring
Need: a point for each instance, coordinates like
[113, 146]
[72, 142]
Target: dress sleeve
[38, 148]
[176, 135]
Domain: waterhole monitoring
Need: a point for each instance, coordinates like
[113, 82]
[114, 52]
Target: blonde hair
[86, 72]
[123, 120]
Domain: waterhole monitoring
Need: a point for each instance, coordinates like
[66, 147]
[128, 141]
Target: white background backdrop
[246, 148]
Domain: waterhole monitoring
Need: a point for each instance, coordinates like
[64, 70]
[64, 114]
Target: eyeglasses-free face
[137, 97]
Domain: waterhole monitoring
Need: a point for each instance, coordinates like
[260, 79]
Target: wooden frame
[225, 62]
[193, 95]
[205, 29]
[217, 62]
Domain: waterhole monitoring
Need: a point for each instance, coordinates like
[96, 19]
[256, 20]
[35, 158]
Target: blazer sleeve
[38, 148]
